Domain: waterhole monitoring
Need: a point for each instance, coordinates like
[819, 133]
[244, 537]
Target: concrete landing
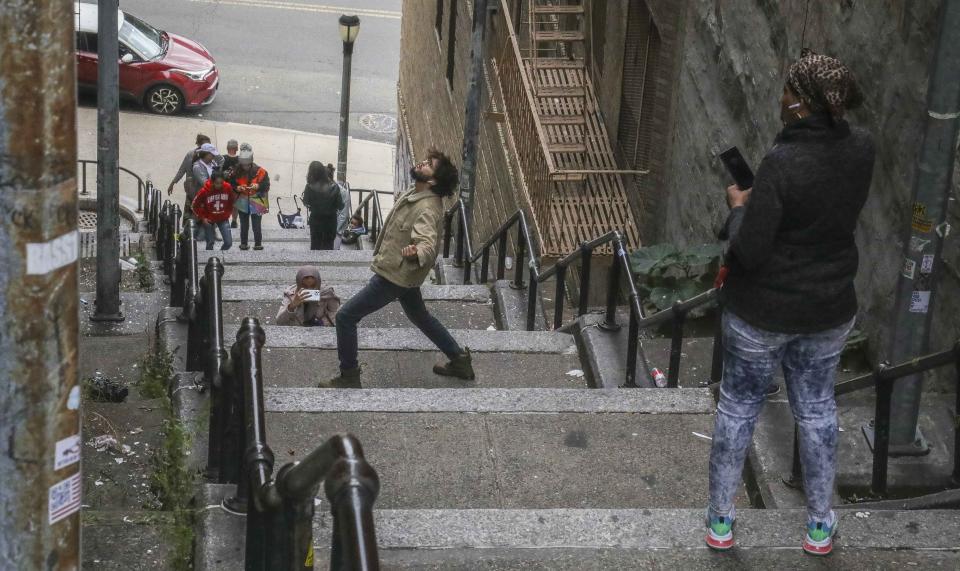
[517, 460]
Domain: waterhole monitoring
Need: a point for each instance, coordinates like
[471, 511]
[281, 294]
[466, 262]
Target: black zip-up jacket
[324, 201]
[792, 254]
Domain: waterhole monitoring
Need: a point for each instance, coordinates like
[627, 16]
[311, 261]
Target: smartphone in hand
[312, 295]
[737, 167]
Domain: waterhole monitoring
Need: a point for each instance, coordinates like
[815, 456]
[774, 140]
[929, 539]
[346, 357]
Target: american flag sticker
[64, 498]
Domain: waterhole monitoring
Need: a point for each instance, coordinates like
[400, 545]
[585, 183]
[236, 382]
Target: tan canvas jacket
[415, 219]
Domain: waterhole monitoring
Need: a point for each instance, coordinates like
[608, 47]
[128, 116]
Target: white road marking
[281, 5]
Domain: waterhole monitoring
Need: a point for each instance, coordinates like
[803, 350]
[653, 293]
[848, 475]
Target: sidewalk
[153, 146]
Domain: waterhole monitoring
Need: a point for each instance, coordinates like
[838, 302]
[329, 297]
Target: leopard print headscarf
[824, 84]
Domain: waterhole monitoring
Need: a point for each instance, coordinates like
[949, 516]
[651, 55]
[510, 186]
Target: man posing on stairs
[406, 250]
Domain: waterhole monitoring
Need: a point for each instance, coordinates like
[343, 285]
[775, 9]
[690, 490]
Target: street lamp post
[349, 28]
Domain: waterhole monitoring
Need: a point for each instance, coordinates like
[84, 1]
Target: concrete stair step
[551, 9]
[455, 457]
[404, 357]
[278, 276]
[577, 539]
[271, 236]
[273, 255]
[460, 307]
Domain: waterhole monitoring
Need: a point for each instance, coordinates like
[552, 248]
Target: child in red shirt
[213, 206]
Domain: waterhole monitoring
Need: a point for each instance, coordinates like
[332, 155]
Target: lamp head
[349, 28]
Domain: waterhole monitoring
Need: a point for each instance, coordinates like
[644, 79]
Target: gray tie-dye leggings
[809, 363]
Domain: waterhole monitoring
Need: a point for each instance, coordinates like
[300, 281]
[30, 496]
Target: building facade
[667, 85]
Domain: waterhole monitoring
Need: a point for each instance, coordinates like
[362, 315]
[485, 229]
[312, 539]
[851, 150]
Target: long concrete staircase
[526, 467]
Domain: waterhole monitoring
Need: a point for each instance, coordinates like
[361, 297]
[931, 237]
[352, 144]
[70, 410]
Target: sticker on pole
[926, 265]
[64, 498]
[919, 301]
[68, 452]
[909, 268]
[45, 257]
[920, 221]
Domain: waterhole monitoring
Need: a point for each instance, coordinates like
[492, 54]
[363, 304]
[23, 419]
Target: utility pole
[923, 238]
[471, 128]
[108, 173]
[39, 397]
[349, 28]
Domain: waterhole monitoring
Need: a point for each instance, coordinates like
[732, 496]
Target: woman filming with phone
[789, 296]
[307, 303]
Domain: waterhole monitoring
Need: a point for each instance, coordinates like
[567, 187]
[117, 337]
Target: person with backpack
[185, 172]
[322, 196]
[252, 185]
[212, 206]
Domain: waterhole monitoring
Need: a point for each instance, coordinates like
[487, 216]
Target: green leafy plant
[144, 273]
[156, 370]
[667, 274]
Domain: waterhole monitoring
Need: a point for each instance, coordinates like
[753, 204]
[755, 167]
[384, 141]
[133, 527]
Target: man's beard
[418, 176]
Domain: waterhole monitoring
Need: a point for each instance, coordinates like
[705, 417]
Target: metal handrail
[374, 226]
[466, 256]
[280, 508]
[883, 379]
[141, 186]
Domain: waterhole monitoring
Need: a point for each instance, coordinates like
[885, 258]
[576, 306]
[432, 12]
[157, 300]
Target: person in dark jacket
[322, 197]
[789, 297]
[230, 161]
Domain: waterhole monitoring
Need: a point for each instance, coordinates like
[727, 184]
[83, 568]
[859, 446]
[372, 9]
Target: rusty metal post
[39, 397]
[108, 171]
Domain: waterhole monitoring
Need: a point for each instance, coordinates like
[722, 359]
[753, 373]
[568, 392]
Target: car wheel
[163, 100]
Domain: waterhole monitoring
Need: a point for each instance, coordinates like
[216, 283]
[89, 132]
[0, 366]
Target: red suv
[164, 71]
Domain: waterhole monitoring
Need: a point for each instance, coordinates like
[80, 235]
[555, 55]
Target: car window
[143, 38]
[124, 50]
[88, 41]
[81, 43]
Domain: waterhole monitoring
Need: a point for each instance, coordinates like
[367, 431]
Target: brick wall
[434, 114]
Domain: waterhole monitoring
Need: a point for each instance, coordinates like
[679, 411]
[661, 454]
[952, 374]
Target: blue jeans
[211, 237]
[809, 364]
[375, 295]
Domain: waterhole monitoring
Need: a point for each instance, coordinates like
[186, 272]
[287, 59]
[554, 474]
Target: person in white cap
[252, 184]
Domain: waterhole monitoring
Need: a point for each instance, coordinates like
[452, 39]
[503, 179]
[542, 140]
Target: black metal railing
[280, 508]
[375, 221]
[465, 257]
[883, 379]
[141, 186]
[153, 207]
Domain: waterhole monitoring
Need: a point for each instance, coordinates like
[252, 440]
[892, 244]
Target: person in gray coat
[185, 172]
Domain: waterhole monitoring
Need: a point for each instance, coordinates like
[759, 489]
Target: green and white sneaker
[819, 539]
[720, 531]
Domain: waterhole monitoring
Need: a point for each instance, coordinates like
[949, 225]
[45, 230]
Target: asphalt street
[280, 61]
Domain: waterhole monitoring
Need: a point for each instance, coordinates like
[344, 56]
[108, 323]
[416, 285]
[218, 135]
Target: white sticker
[918, 244]
[68, 452]
[926, 266]
[73, 401]
[909, 268]
[45, 257]
[64, 498]
[919, 301]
